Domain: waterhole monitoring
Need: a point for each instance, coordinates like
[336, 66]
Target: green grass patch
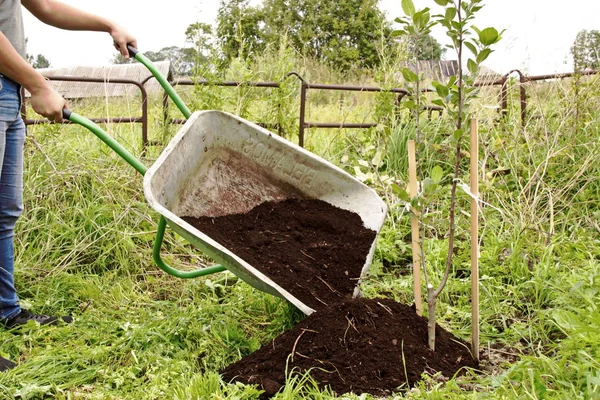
[84, 245]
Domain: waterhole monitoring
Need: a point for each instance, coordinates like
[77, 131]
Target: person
[15, 73]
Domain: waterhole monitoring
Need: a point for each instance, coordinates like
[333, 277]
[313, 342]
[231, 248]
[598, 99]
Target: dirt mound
[359, 345]
[316, 252]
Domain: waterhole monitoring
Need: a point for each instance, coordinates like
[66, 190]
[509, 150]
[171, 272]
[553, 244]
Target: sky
[537, 40]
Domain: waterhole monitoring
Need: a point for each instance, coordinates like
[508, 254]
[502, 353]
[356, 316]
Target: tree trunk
[431, 300]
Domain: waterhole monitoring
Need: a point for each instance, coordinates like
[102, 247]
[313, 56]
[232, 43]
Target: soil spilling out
[316, 252]
[311, 248]
[358, 345]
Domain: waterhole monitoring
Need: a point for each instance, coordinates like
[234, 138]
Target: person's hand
[121, 38]
[47, 102]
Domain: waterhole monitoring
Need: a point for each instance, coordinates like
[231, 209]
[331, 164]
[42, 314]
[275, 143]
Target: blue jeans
[12, 138]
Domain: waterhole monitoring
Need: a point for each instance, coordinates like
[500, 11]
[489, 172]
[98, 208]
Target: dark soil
[316, 252]
[309, 247]
[359, 346]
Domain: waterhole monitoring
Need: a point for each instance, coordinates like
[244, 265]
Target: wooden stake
[475, 238]
[416, 247]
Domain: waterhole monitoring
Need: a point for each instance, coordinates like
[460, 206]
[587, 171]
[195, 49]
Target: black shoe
[5, 364]
[25, 316]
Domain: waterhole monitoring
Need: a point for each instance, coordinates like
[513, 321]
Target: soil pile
[311, 248]
[316, 252]
[358, 345]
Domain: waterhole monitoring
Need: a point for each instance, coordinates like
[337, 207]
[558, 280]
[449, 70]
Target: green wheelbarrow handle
[141, 168]
[161, 79]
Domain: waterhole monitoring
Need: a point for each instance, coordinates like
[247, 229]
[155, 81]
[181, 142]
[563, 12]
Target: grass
[83, 247]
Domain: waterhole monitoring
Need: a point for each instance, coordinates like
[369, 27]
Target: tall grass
[83, 247]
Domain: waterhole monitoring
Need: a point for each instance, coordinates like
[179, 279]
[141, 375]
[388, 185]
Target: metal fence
[523, 80]
[305, 86]
[304, 90]
[143, 119]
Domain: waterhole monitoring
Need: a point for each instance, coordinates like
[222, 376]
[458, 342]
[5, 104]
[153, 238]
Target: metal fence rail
[143, 119]
[523, 79]
[503, 82]
[304, 88]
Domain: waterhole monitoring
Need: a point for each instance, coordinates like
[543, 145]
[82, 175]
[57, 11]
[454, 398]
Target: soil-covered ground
[316, 252]
[358, 345]
[309, 247]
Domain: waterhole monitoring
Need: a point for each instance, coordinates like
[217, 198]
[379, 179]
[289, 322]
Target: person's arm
[63, 16]
[44, 99]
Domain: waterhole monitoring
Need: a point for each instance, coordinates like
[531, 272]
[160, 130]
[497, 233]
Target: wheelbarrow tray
[219, 164]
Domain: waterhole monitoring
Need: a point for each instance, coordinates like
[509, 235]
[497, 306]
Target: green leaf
[441, 90]
[410, 104]
[429, 186]
[471, 47]
[421, 19]
[567, 320]
[409, 76]
[401, 193]
[458, 134]
[485, 53]
[450, 14]
[408, 7]
[427, 182]
[593, 380]
[472, 66]
[437, 173]
[489, 36]
[442, 3]
[414, 202]
[377, 160]
[360, 175]
[445, 24]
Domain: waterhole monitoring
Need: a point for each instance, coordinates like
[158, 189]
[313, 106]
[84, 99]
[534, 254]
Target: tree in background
[339, 33]
[202, 39]
[342, 34]
[37, 61]
[586, 50]
[426, 47]
[184, 60]
[240, 29]
[119, 59]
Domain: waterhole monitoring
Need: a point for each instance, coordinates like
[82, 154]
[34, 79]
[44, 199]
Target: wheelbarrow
[219, 164]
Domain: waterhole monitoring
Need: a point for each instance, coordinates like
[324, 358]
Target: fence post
[504, 97]
[523, 94]
[302, 113]
[302, 119]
